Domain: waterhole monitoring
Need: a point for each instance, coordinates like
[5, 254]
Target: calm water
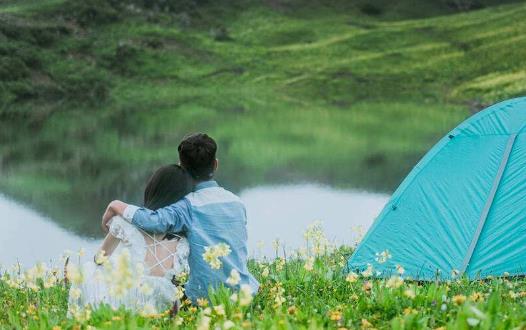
[274, 212]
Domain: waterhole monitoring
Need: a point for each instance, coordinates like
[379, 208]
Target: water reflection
[274, 212]
[27, 236]
[284, 212]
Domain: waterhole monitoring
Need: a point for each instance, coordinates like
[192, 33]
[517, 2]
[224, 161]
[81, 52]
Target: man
[208, 216]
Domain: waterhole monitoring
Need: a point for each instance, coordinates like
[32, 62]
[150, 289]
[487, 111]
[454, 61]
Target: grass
[310, 290]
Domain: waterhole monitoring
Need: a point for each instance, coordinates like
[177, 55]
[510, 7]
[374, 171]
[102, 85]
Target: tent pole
[489, 202]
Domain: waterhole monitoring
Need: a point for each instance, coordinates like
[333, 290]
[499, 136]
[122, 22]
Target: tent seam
[489, 202]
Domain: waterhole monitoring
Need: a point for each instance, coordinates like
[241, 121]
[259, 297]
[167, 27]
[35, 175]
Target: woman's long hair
[166, 186]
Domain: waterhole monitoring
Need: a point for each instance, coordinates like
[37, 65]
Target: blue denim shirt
[208, 216]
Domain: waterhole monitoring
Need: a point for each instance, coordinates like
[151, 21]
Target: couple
[187, 224]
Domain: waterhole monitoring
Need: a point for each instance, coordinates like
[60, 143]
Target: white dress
[124, 280]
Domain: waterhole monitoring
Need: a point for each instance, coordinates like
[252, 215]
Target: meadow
[311, 289]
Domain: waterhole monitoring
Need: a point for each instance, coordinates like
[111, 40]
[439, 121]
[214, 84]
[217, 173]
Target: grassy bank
[96, 94]
[308, 291]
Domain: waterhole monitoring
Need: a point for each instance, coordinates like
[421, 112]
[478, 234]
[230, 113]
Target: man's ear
[216, 164]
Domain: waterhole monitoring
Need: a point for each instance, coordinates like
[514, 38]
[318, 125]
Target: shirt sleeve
[170, 219]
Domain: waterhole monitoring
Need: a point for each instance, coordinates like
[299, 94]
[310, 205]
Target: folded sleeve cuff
[129, 212]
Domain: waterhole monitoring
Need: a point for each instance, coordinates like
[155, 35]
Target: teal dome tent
[462, 209]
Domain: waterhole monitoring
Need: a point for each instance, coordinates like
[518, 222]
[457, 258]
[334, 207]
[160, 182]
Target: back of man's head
[197, 153]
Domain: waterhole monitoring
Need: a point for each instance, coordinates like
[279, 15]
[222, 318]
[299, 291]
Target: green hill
[95, 94]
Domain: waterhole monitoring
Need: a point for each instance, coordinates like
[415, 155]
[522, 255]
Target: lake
[275, 212]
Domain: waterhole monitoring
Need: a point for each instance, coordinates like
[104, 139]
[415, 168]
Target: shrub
[371, 10]
[91, 12]
[12, 68]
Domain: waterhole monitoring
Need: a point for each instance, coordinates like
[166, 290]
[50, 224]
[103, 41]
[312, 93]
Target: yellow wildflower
[202, 302]
[335, 315]
[309, 264]
[351, 277]
[476, 297]
[410, 293]
[459, 299]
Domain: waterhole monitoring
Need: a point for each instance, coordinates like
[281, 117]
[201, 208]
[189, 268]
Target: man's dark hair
[197, 153]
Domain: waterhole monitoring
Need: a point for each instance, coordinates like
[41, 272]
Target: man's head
[197, 153]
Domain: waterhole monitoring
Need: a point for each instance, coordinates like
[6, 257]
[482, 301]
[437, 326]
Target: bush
[91, 12]
[86, 85]
[12, 68]
[220, 34]
[371, 10]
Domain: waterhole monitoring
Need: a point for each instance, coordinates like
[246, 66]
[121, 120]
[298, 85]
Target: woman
[135, 269]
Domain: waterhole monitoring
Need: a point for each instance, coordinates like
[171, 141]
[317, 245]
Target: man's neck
[204, 184]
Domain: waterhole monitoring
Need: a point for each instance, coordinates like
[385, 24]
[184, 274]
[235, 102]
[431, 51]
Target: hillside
[95, 94]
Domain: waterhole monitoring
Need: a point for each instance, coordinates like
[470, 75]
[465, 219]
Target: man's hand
[114, 208]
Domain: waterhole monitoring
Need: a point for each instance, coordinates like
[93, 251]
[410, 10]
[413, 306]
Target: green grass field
[308, 291]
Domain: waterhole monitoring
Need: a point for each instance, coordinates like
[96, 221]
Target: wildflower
[351, 277]
[74, 274]
[50, 281]
[476, 297]
[280, 263]
[367, 286]
[472, 322]
[228, 324]
[82, 252]
[410, 293]
[319, 244]
[383, 256]
[245, 295]
[278, 293]
[56, 327]
[202, 302]
[443, 308]
[366, 324]
[409, 310]
[513, 294]
[395, 282]
[234, 278]
[335, 315]
[116, 318]
[212, 254]
[368, 272]
[459, 299]
[309, 264]
[178, 321]
[179, 292]
[223, 249]
[219, 310]
[400, 270]
[275, 244]
[75, 293]
[204, 323]
[478, 313]
[265, 272]
[246, 324]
